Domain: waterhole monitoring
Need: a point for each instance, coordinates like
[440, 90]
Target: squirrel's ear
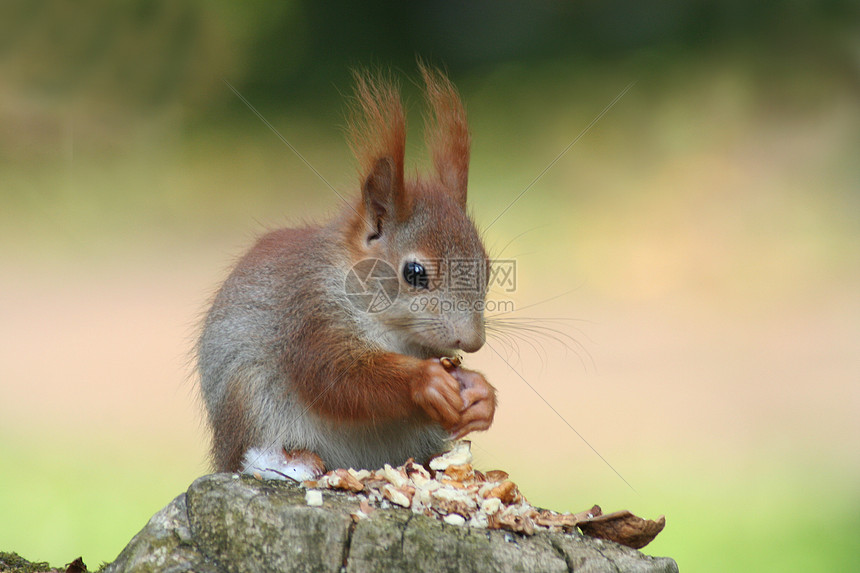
[377, 136]
[383, 196]
[447, 132]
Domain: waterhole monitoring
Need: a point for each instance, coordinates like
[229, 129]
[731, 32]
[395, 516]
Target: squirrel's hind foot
[297, 465]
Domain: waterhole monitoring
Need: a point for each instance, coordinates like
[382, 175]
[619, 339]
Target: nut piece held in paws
[451, 362]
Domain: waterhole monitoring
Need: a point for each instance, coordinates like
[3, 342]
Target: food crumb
[313, 497]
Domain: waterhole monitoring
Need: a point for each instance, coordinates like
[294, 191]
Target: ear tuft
[377, 124]
[447, 132]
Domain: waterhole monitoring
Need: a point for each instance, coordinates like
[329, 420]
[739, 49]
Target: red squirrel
[300, 370]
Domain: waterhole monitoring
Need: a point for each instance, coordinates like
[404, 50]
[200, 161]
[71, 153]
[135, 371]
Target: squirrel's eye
[415, 274]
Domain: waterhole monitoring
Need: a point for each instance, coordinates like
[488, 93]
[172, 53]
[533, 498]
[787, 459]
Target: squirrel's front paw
[298, 465]
[479, 402]
[438, 394]
[460, 400]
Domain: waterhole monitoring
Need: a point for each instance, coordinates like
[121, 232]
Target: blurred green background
[700, 244]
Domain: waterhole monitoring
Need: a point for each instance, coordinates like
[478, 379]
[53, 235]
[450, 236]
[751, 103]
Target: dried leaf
[623, 527]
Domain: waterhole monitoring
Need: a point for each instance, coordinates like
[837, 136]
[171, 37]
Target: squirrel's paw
[438, 393]
[460, 400]
[479, 402]
[298, 465]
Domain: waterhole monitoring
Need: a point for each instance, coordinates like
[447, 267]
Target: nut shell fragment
[518, 523]
[344, 480]
[505, 491]
[398, 496]
[625, 528]
[460, 472]
[491, 505]
[414, 470]
[452, 483]
[547, 518]
[360, 475]
[395, 477]
[460, 454]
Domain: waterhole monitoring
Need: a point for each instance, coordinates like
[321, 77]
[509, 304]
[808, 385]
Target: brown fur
[377, 128]
[447, 133]
[351, 384]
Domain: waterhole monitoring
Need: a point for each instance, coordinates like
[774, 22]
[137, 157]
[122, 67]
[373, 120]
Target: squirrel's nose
[471, 334]
[472, 344]
[469, 345]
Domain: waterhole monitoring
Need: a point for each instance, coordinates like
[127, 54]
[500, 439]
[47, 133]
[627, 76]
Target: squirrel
[327, 346]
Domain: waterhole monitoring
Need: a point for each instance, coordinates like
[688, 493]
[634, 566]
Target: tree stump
[227, 523]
